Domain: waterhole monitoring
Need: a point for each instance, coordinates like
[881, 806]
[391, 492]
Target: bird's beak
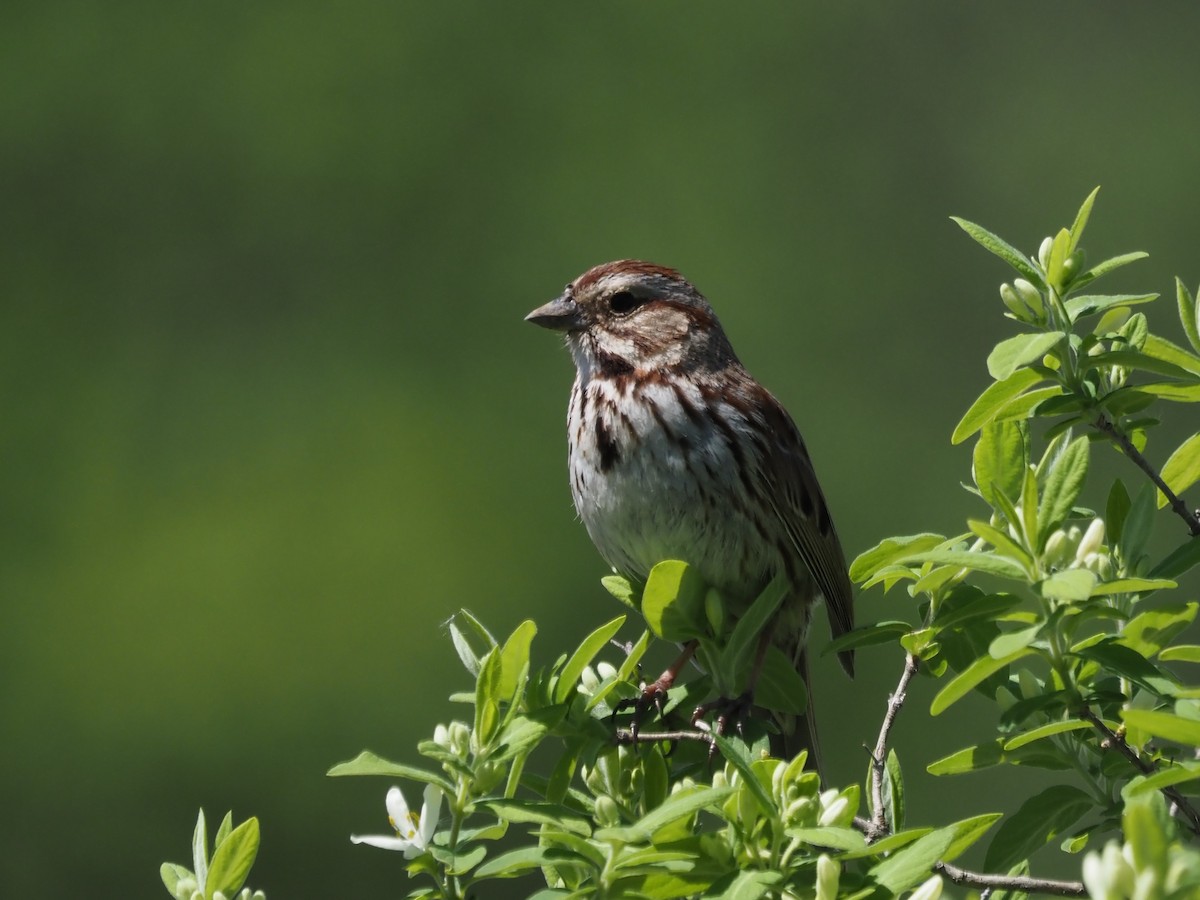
[560, 314]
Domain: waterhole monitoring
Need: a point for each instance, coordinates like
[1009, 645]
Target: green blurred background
[271, 414]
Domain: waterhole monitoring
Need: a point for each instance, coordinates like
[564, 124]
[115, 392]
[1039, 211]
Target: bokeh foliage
[270, 412]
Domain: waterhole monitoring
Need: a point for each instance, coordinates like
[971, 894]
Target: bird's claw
[729, 710]
[653, 696]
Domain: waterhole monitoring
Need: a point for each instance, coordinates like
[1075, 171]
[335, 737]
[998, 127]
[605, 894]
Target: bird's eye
[623, 302]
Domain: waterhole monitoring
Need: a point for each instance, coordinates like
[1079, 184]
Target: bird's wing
[795, 494]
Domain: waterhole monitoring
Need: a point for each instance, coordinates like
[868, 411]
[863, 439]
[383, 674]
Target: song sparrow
[676, 452]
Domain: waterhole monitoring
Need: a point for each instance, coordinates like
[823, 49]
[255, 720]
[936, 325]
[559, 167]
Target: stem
[879, 826]
[1011, 882]
[1115, 741]
[628, 736]
[1115, 433]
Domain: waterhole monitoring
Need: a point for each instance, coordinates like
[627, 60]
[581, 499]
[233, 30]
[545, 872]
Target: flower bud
[833, 812]
[1044, 251]
[828, 875]
[1091, 541]
[1014, 304]
[1030, 295]
[929, 890]
[441, 736]
[588, 681]
[606, 670]
[460, 738]
[1072, 266]
[1057, 548]
[608, 814]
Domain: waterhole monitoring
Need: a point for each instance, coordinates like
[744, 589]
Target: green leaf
[890, 843]
[1138, 525]
[466, 632]
[1069, 585]
[888, 551]
[1160, 348]
[673, 601]
[232, 860]
[1045, 731]
[973, 675]
[1189, 313]
[1134, 359]
[752, 624]
[619, 587]
[1039, 819]
[1003, 544]
[629, 666]
[583, 655]
[747, 884]
[1125, 662]
[1089, 304]
[1019, 351]
[893, 791]
[910, 866]
[518, 862]
[1172, 391]
[515, 657]
[223, 829]
[172, 874]
[200, 849]
[953, 614]
[1132, 586]
[1148, 632]
[737, 755]
[1059, 251]
[1181, 653]
[1081, 220]
[780, 686]
[1176, 774]
[523, 733]
[829, 838]
[992, 400]
[523, 812]
[1033, 403]
[967, 832]
[999, 459]
[1010, 642]
[487, 697]
[980, 561]
[367, 763]
[1108, 265]
[680, 805]
[1164, 725]
[1179, 560]
[868, 635]
[1064, 481]
[1002, 249]
[1182, 468]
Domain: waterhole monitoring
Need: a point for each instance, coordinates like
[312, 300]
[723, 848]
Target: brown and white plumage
[676, 452]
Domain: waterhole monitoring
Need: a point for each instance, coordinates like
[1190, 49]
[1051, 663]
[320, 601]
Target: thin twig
[627, 736]
[1012, 882]
[879, 825]
[1192, 518]
[1113, 740]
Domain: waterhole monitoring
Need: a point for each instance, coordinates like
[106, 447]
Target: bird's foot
[729, 711]
[652, 697]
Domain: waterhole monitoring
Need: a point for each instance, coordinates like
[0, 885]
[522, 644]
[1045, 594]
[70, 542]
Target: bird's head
[629, 316]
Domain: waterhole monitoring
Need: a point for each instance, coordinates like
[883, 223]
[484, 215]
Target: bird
[676, 452]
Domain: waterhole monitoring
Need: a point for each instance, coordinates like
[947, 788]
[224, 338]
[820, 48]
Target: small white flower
[930, 890]
[413, 832]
